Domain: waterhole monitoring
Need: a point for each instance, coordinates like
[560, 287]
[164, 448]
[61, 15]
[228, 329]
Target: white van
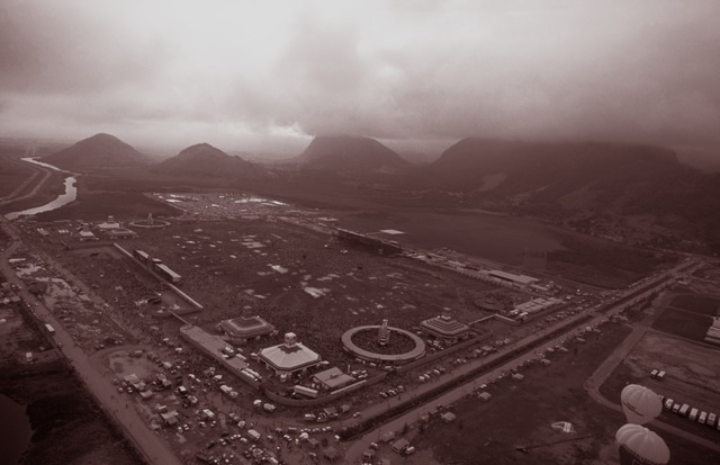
[684, 410]
[702, 418]
[693, 414]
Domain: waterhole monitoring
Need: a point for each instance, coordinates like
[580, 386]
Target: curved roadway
[413, 354]
[355, 451]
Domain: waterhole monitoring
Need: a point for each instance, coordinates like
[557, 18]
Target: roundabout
[417, 351]
[150, 223]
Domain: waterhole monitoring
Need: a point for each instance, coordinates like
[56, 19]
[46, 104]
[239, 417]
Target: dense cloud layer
[267, 75]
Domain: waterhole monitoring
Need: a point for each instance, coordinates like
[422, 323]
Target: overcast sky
[268, 75]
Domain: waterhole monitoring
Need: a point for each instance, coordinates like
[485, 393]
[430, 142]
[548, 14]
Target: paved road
[354, 453]
[592, 385]
[152, 446]
[157, 450]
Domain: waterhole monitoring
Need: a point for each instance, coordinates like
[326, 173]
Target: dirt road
[152, 446]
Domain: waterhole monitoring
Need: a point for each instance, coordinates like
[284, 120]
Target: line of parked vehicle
[692, 413]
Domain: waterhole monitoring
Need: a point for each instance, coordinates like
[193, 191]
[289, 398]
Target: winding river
[63, 199]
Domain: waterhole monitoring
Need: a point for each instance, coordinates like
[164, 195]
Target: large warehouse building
[515, 280]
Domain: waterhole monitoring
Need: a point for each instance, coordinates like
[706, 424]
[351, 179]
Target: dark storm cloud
[643, 70]
[54, 47]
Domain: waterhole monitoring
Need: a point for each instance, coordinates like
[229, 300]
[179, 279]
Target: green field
[683, 323]
[703, 305]
[12, 175]
[520, 413]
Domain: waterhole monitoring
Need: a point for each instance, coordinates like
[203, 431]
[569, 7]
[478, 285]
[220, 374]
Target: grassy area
[124, 206]
[602, 263]
[692, 375]
[697, 304]
[53, 187]
[12, 174]
[683, 323]
[520, 413]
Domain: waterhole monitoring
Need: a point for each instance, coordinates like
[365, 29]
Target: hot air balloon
[640, 404]
[640, 446]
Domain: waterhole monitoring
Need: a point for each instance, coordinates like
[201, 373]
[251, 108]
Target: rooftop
[289, 356]
[333, 378]
[445, 325]
[518, 278]
[246, 327]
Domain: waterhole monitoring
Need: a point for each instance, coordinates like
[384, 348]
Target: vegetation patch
[697, 304]
[684, 324]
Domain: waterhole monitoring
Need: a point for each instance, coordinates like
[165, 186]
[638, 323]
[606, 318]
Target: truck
[167, 274]
[711, 419]
[305, 391]
[49, 328]
[141, 256]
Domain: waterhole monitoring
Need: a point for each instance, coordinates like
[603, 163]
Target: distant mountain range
[554, 172]
[204, 160]
[99, 152]
[561, 176]
[350, 155]
[589, 178]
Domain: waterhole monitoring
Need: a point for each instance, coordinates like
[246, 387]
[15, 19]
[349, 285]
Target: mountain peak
[203, 149]
[204, 160]
[98, 152]
[348, 153]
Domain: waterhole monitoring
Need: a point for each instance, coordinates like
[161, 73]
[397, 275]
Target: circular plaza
[417, 350]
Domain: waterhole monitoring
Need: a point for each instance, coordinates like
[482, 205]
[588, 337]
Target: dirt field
[520, 413]
[693, 377]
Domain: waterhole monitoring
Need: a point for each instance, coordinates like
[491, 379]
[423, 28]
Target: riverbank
[43, 185]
